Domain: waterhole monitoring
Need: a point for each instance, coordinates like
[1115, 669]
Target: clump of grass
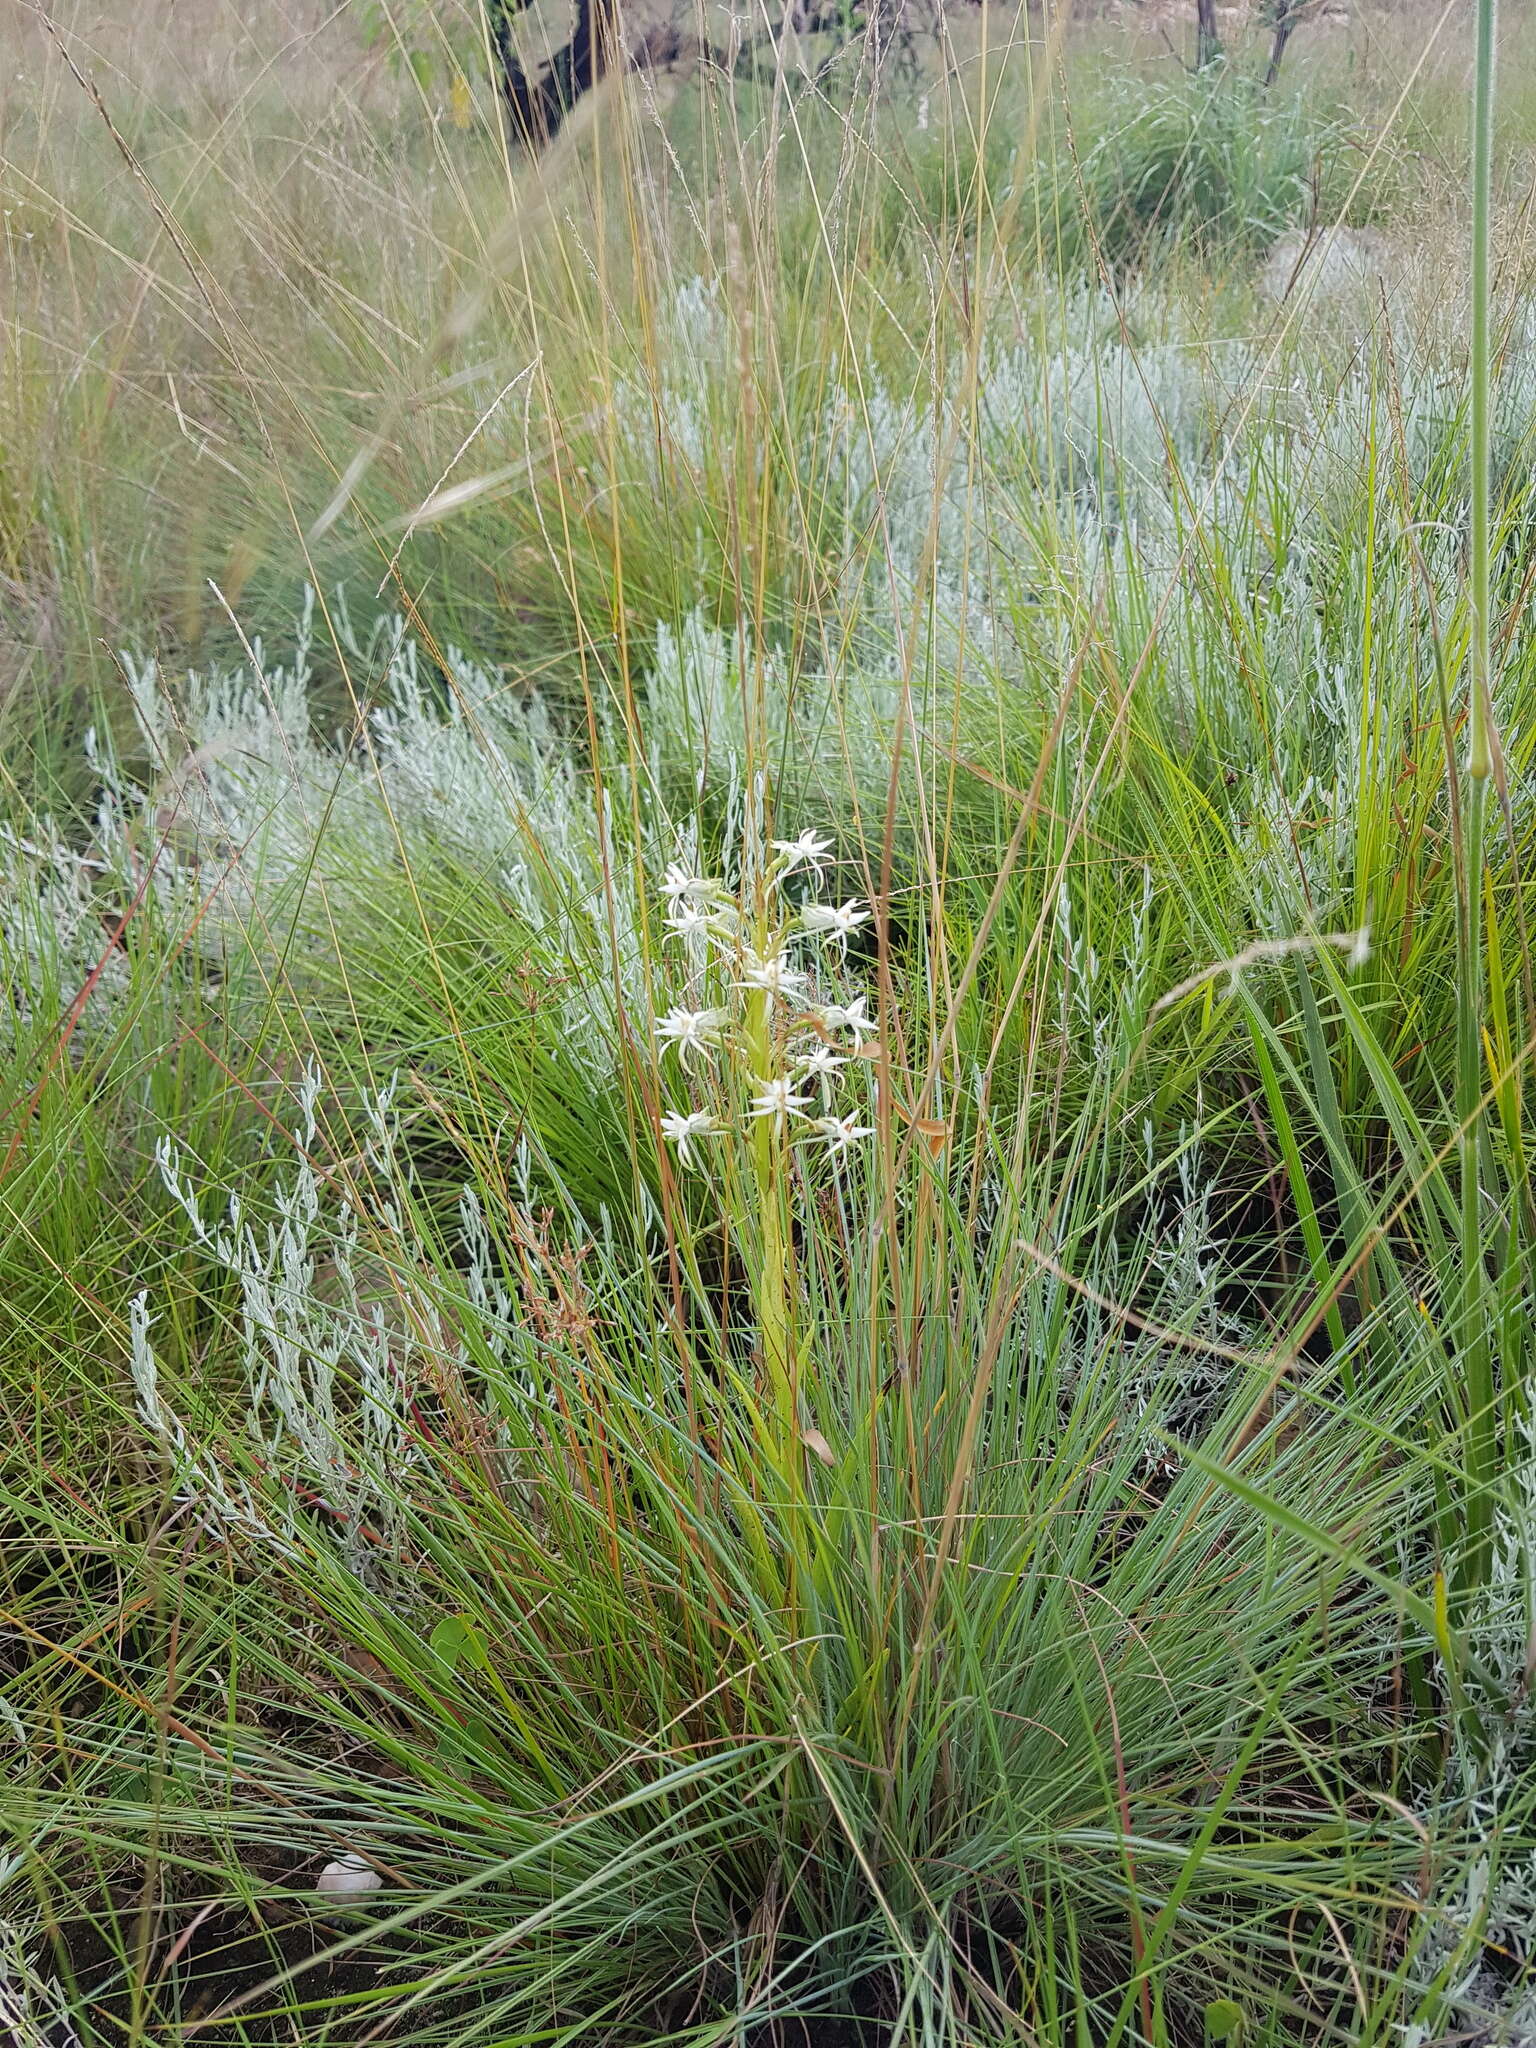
[1029, 1536]
[1212, 160]
[626, 1664]
[1145, 165]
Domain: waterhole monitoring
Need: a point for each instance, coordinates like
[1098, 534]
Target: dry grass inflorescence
[765, 1232]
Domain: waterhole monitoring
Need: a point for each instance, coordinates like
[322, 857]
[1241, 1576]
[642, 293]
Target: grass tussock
[766, 1222]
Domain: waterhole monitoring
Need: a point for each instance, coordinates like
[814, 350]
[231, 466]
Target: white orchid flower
[682, 885]
[680, 1128]
[687, 920]
[838, 920]
[842, 1131]
[772, 972]
[809, 850]
[779, 1099]
[691, 1030]
[821, 1063]
[853, 1017]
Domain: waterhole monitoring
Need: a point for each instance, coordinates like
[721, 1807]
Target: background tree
[538, 102]
[1285, 16]
[539, 99]
[1207, 41]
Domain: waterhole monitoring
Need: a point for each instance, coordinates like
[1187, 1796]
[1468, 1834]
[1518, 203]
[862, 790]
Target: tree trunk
[1285, 22]
[1207, 42]
[537, 104]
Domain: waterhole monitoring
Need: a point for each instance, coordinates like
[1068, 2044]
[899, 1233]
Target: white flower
[690, 1030]
[820, 1063]
[842, 1131]
[852, 1017]
[773, 972]
[681, 1130]
[779, 1100]
[837, 923]
[809, 849]
[683, 886]
[687, 920]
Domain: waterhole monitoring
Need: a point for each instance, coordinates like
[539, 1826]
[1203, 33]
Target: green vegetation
[765, 1204]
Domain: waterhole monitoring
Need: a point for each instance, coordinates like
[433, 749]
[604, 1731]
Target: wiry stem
[1481, 1443]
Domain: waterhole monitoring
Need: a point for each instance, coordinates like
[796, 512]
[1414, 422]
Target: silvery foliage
[488, 775]
[245, 804]
[672, 418]
[1173, 1392]
[1477, 1945]
[972, 529]
[1298, 847]
[203, 1489]
[928, 500]
[917, 529]
[1176, 1269]
[253, 839]
[241, 816]
[1487, 1912]
[34, 2011]
[1340, 451]
[1074, 429]
[341, 1343]
[55, 934]
[1104, 1000]
[970, 526]
[1169, 1393]
[702, 697]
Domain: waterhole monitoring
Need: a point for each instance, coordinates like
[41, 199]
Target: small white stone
[348, 1873]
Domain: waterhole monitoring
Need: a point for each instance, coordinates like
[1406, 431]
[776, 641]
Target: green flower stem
[771, 1279]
